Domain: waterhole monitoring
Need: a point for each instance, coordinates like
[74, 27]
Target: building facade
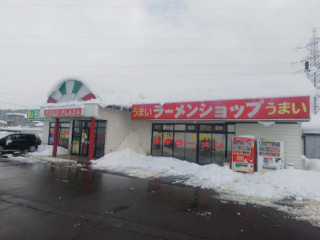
[198, 132]
[16, 119]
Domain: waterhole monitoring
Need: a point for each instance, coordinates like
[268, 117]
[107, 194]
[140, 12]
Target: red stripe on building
[51, 100]
[88, 97]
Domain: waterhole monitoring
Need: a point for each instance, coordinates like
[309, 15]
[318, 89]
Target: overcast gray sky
[148, 45]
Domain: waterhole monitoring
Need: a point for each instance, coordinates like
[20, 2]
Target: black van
[20, 141]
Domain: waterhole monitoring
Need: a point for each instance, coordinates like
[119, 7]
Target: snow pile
[132, 141]
[273, 185]
[268, 189]
[46, 150]
[313, 164]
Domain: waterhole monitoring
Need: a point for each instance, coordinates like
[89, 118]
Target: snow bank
[46, 150]
[313, 165]
[272, 185]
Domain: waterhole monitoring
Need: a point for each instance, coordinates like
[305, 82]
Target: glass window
[76, 137]
[100, 133]
[51, 133]
[167, 144]
[198, 143]
[205, 148]
[157, 127]
[191, 147]
[63, 134]
[65, 125]
[157, 143]
[168, 127]
[205, 128]
[101, 124]
[218, 148]
[219, 128]
[179, 145]
[231, 128]
[179, 127]
[191, 128]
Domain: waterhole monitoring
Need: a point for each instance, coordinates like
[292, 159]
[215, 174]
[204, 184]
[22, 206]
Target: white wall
[119, 125]
[289, 133]
[45, 134]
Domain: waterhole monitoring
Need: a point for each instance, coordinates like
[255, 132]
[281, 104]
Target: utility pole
[312, 67]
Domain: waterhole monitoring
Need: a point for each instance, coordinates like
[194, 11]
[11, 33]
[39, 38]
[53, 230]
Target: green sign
[35, 115]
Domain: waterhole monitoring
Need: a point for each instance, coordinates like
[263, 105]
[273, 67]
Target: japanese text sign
[63, 112]
[260, 108]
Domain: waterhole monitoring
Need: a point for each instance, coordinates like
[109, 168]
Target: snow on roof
[222, 88]
[313, 126]
[3, 122]
[18, 114]
[39, 124]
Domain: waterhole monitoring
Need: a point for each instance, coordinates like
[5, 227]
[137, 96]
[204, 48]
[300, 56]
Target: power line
[149, 7]
[142, 66]
[159, 76]
[149, 38]
[140, 50]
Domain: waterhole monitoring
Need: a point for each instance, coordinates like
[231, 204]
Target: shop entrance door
[80, 137]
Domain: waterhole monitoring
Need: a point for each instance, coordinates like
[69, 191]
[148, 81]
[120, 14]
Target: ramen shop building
[195, 131]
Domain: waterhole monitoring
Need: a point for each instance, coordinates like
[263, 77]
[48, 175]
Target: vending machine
[243, 154]
[270, 155]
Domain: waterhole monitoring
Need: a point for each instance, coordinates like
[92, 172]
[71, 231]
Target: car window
[10, 137]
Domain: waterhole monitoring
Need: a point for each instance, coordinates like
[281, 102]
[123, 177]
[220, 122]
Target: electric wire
[149, 7]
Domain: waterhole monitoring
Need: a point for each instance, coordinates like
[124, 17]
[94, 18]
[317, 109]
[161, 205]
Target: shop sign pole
[91, 139]
[55, 139]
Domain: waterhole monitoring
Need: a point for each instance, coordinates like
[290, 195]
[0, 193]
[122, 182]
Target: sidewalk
[65, 159]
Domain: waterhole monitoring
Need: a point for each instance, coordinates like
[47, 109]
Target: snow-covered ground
[46, 150]
[35, 157]
[294, 191]
[3, 134]
[22, 128]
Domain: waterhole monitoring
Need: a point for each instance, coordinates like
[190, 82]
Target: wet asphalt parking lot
[59, 201]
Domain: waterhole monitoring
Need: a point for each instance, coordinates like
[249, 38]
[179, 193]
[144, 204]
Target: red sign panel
[63, 112]
[260, 108]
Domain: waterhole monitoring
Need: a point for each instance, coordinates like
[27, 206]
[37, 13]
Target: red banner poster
[63, 112]
[260, 108]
